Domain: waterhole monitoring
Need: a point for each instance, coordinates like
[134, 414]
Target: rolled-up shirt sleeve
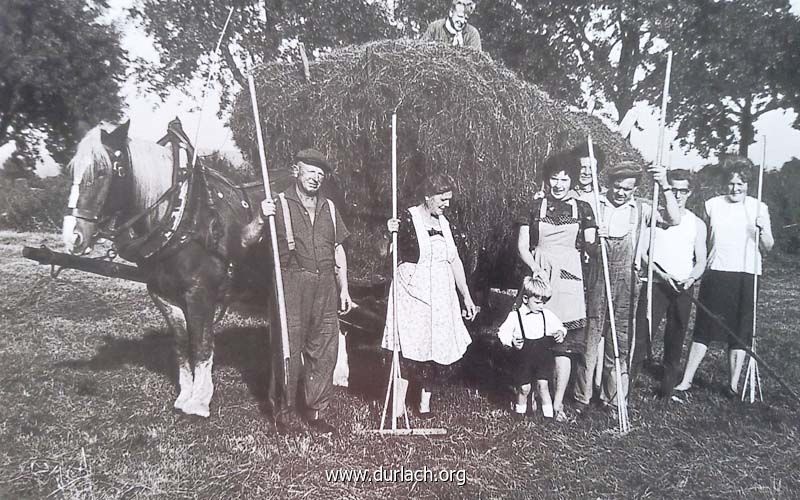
[508, 329]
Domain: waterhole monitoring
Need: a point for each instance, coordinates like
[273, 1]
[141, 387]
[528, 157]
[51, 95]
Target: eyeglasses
[682, 190]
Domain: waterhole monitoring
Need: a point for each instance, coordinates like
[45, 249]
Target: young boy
[531, 330]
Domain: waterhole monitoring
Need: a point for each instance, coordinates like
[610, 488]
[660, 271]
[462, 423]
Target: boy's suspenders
[287, 221]
[522, 328]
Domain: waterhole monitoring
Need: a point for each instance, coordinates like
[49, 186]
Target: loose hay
[458, 111]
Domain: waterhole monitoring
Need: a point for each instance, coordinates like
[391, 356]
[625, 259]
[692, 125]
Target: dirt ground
[87, 381]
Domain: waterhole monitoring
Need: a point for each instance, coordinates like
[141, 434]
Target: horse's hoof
[199, 410]
[181, 403]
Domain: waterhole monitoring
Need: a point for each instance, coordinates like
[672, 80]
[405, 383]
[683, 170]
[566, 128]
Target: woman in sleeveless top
[726, 290]
[550, 243]
[431, 331]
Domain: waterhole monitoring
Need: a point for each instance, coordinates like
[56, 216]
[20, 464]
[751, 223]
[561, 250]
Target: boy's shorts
[535, 361]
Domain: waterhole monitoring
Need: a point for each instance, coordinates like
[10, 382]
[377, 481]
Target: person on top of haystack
[429, 319]
[679, 261]
[623, 221]
[734, 219]
[310, 234]
[553, 232]
[454, 29]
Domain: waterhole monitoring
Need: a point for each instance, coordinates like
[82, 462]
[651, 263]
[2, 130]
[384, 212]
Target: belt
[321, 272]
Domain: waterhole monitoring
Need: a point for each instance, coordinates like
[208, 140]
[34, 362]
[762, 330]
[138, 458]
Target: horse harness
[181, 222]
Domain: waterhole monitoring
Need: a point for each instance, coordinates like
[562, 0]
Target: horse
[181, 226]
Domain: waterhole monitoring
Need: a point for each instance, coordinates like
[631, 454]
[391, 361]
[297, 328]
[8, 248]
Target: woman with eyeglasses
[552, 234]
[429, 319]
[734, 219]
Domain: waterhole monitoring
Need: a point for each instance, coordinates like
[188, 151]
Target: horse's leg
[200, 309]
[177, 324]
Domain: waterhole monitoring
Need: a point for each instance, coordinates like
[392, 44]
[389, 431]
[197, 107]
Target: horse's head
[101, 178]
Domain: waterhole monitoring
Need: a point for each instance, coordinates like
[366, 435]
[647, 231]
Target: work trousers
[676, 308]
[311, 310]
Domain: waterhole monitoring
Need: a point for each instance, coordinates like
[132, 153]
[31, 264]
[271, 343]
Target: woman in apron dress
[430, 274]
[551, 239]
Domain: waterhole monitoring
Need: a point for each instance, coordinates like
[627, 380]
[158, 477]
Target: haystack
[458, 111]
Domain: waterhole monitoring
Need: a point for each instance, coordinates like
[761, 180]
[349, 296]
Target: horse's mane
[151, 165]
[152, 171]
[90, 158]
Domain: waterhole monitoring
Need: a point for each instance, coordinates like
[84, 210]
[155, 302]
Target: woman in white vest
[429, 318]
[734, 219]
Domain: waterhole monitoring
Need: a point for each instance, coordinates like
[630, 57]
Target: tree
[568, 46]
[58, 66]
[186, 32]
[18, 167]
[534, 39]
[734, 61]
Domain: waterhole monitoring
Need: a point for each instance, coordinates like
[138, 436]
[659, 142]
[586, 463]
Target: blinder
[91, 211]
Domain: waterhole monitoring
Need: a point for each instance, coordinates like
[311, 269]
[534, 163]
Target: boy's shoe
[561, 417]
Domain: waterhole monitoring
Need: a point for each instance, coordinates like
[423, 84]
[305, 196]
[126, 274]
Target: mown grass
[87, 381]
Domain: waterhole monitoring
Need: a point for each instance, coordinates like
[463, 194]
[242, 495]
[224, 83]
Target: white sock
[520, 407]
[425, 401]
[547, 411]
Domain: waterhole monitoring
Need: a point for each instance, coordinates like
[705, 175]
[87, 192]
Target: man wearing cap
[454, 29]
[310, 233]
[623, 222]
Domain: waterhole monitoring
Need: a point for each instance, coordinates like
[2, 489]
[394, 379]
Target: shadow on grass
[245, 349]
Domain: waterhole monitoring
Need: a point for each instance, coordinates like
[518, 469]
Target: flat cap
[624, 170]
[313, 157]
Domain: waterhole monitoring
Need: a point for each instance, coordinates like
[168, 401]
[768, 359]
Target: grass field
[87, 381]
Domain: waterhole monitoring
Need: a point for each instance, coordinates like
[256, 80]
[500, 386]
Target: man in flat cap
[310, 234]
[623, 221]
[454, 29]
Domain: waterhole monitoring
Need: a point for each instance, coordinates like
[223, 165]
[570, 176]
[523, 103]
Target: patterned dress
[429, 319]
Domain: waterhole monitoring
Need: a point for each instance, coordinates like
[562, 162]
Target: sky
[149, 116]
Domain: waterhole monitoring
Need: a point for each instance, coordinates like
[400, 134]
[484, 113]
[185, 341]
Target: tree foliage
[58, 66]
[734, 61]
[18, 167]
[186, 32]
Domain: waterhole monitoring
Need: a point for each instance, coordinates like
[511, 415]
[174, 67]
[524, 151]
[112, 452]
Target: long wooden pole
[622, 408]
[753, 379]
[659, 162]
[273, 236]
[392, 388]
[205, 89]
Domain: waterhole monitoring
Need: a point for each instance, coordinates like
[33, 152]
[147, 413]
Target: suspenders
[287, 220]
[522, 328]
